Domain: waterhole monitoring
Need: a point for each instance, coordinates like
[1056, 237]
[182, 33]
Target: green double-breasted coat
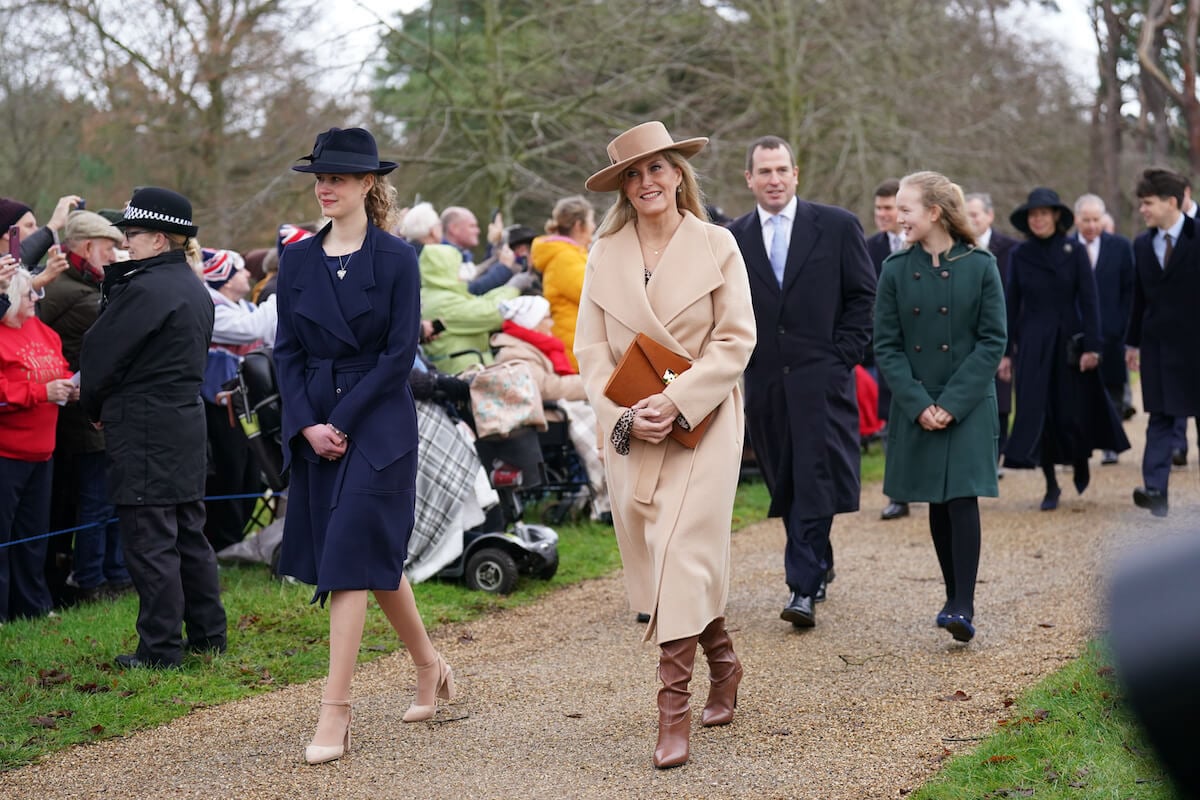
[940, 333]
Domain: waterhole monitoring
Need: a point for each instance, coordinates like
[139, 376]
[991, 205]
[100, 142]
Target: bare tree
[1163, 30]
[213, 97]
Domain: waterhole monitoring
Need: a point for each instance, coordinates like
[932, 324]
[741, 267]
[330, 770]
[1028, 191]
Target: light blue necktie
[778, 254]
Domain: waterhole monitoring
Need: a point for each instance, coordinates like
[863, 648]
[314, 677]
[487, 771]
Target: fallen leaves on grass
[999, 759]
[51, 677]
[1040, 715]
[1009, 793]
[91, 688]
[50, 720]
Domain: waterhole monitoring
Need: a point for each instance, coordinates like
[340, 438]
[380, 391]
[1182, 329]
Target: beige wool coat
[672, 506]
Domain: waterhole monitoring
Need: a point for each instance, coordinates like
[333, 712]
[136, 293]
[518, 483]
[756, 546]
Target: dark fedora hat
[158, 209]
[345, 152]
[1041, 197]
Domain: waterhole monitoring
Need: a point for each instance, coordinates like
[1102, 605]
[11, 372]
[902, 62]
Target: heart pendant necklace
[341, 271]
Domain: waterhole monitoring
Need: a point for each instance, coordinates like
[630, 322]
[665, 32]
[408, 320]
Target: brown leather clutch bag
[644, 369]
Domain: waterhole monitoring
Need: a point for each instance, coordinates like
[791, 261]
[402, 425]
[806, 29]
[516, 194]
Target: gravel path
[557, 699]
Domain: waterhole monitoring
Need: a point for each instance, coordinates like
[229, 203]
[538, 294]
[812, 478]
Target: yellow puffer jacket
[562, 262]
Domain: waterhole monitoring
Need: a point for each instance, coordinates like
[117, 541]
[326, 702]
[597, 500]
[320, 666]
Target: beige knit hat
[89, 225]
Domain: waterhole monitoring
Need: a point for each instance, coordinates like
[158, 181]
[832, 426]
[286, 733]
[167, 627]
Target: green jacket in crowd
[469, 320]
[940, 333]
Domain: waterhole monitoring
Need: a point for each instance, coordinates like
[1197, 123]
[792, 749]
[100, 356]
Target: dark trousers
[808, 554]
[1156, 458]
[174, 571]
[1003, 432]
[97, 556]
[1180, 433]
[24, 513]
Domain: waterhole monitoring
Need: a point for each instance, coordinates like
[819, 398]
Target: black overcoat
[1051, 297]
[1114, 274]
[1001, 246]
[801, 406]
[1165, 324]
[141, 365]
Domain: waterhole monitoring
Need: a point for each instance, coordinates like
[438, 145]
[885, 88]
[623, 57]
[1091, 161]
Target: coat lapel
[684, 274]
[320, 306]
[758, 263]
[806, 233]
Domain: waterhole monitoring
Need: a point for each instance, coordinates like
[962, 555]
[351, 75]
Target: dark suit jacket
[347, 363]
[1165, 323]
[1114, 291]
[878, 248]
[801, 405]
[1000, 246]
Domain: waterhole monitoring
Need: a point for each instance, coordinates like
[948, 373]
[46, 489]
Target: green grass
[58, 687]
[1069, 736]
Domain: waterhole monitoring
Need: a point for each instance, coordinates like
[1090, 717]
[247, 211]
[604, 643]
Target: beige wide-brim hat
[635, 144]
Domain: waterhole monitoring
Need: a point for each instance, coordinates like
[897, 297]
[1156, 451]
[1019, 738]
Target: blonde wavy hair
[938, 191]
[381, 203]
[688, 197]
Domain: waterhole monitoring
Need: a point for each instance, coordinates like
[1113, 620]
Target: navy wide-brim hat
[351, 151]
[1041, 197]
[158, 209]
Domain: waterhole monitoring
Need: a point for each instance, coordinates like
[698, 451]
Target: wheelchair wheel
[547, 572]
[492, 570]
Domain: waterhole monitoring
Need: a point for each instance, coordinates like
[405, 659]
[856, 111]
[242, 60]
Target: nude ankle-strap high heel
[445, 689]
[320, 754]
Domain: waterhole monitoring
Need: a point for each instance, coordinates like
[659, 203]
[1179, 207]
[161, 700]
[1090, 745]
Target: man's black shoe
[894, 510]
[133, 661]
[1152, 499]
[799, 611]
[643, 618]
[819, 597]
[1109, 457]
[1179, 458]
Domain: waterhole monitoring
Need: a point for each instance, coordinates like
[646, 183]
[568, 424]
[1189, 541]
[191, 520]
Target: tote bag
[505, 397]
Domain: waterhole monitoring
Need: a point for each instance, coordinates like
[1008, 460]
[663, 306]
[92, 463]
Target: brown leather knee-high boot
[725, 673]
[674, 716]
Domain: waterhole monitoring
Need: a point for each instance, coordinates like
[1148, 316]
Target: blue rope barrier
[114, 519]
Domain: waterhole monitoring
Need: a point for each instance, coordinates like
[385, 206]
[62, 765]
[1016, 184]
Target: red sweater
[30, 357]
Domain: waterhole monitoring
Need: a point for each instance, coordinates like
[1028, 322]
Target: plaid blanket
[446, 467]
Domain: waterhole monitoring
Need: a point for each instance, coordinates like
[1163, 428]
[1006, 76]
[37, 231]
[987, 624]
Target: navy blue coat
[343, 353]
[801, 404]
[1165, 324]
[1114, 275]
[1051, 297]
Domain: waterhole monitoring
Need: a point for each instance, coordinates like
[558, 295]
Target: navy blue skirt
[347, 524]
